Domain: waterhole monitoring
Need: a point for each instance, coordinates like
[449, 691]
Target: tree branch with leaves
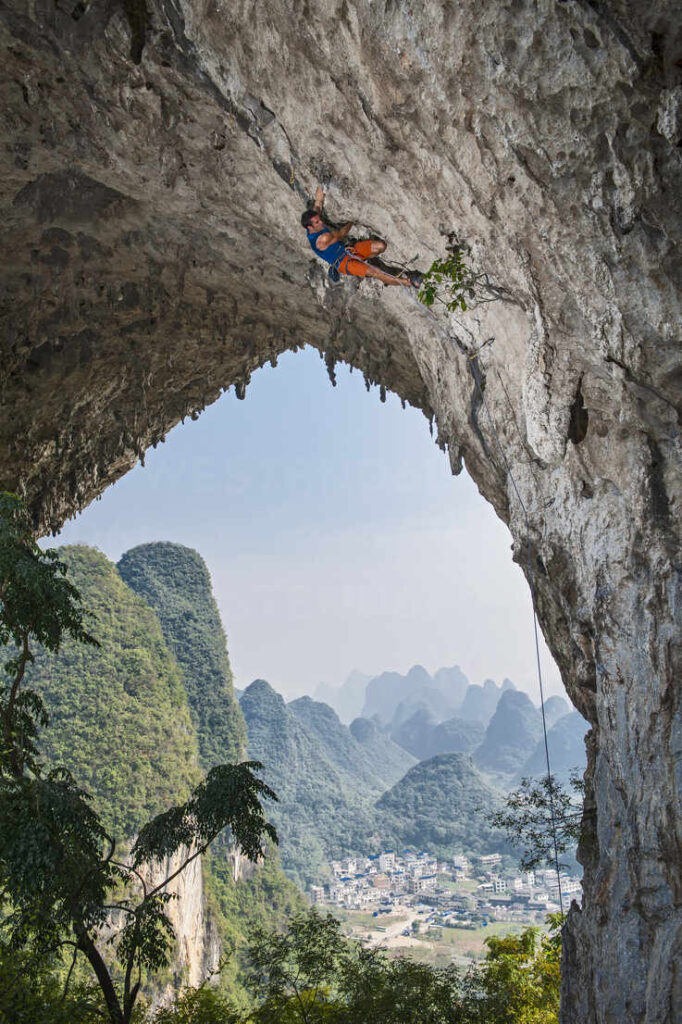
[59, 879]
[536, 813]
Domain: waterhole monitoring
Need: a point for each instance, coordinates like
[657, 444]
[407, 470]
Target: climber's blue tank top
[332, 253]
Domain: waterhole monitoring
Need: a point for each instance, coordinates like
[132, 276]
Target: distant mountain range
[392, 699]
[445, 713]
[345, 790]
[392, 694]
[355, 789]
[326, 776]
[348, 699]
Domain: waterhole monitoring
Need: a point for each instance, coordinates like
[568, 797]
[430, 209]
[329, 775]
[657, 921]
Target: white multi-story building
[387, 860]
[569, 885]
[489, 860]
[425, 883]
[317, 894]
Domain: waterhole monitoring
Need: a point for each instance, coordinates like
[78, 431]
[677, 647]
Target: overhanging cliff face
[157, 157]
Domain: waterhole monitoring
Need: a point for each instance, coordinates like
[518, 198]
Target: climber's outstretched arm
[319, 199]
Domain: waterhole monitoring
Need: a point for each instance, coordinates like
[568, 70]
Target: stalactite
[330, 362]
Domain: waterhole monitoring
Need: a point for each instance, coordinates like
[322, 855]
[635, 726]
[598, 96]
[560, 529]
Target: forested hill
[441, 805]
[357, 761]
[174, 580]
[323, 811]
[390, 759]
[119, 718]
[120, 721]
[331, 800]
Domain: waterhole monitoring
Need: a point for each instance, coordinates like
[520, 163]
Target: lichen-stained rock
[156, 157]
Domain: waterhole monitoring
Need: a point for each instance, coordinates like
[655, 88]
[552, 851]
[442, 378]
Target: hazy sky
[335, 535]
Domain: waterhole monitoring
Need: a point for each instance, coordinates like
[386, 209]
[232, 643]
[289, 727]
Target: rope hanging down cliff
[479, 385]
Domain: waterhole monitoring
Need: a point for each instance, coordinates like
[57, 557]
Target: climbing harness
[334, 274]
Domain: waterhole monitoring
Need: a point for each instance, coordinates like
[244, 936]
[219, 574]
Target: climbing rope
[475, 372]
[531, 583]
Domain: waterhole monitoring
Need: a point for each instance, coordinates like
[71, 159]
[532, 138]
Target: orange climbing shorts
[354, 267]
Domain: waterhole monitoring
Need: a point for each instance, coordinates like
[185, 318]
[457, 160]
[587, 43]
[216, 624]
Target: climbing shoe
[416, 279]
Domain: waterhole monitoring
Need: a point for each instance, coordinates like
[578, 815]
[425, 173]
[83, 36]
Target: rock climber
[328, 244]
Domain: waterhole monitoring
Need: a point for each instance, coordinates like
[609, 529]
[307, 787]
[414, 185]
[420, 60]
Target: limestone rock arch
[156, 157]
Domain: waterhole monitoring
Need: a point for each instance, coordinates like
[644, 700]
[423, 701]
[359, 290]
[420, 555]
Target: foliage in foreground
[519, 980]
[538, 814]
[451, 275]
[61, 884]
[453, 282]
[312, 974]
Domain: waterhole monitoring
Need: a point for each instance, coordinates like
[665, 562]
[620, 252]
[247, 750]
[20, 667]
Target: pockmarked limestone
[156, 158]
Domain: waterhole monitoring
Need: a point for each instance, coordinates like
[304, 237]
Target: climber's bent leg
[356, 268]
[369, 247]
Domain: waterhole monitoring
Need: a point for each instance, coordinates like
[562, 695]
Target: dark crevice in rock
[476, 402]
[660, 502]
[578, 423]
[137, 16]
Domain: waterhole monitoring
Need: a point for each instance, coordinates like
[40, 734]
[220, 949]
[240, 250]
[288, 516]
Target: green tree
[61, 885]
[312, 974]
[519, 980]
[198, 1006]
[539, 814]
[34, 993]
[295, 973]
[399, 991]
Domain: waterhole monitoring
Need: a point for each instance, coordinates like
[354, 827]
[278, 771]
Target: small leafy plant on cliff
[63, 889]
[453, 282]
[453, 278]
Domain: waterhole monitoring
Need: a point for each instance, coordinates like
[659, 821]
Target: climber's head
[312, 221]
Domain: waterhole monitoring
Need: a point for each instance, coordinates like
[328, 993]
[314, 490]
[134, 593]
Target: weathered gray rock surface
[156, 156]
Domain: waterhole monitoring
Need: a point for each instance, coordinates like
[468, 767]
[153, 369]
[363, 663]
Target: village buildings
[459, 892]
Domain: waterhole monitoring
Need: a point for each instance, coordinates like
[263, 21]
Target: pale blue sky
[335, 534]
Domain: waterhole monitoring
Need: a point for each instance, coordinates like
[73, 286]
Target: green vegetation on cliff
[175, 582]
[119, 718]
[263, 898]
[322, 810]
